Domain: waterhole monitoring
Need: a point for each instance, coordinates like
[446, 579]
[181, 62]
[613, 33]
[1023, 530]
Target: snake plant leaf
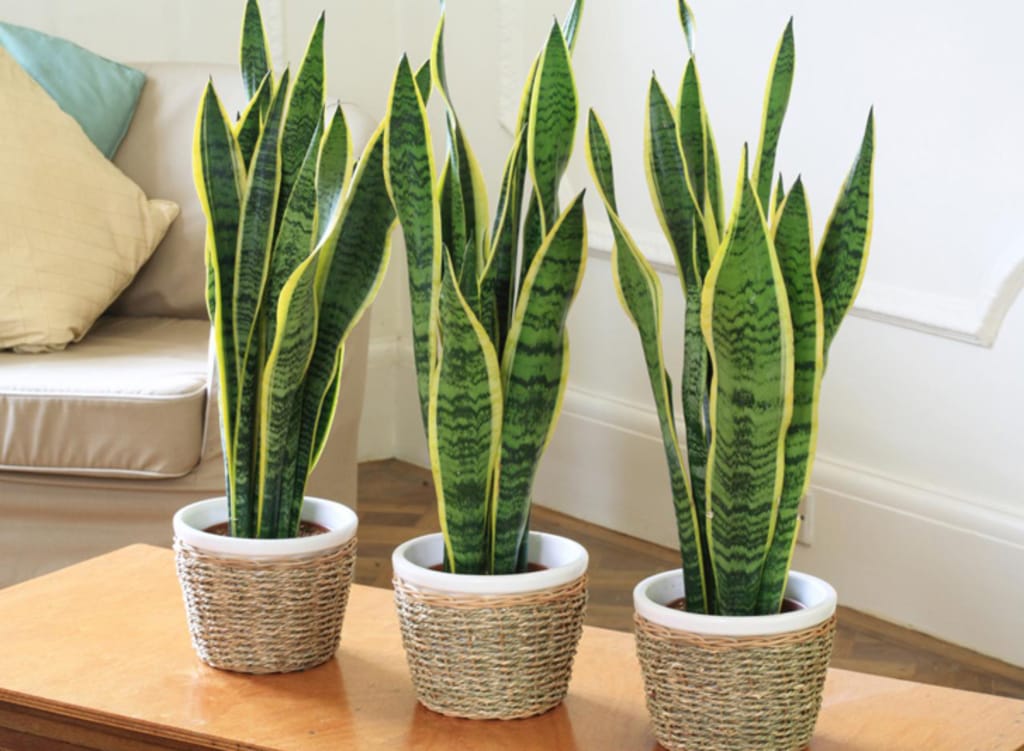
[795, 248]
[252, 262]
[689, 25]
[715, 192]
[571, 25]
[776, 100]
[533, 233]
[778, 199]
[283, 376]
[295, 236]
[551, 125]
[843, 256]
[409, 170]
[499, 272]
[640, 293]
[464, 203]
[746, 322]
[673, 198]
[667, 182]
[247, 129]
[692, 138]
[535, 370]
[328, 408]
[255, 50]
[423, 81]
[305, 111]
[219, 173]
[599, 158]
[464, 429]
[351, 263]
[333, 170]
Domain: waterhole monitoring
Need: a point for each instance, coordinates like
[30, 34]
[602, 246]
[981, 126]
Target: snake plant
[489, 296]
[762, 309]
[296, 249]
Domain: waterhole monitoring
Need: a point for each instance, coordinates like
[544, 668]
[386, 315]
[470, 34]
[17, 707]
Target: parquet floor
[396, 502]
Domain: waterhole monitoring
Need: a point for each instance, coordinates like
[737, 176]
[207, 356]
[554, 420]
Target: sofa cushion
[73, 229]
[128, 401]
[98, 93]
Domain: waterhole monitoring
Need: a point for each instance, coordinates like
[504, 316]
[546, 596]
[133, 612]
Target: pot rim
[566, 561]
[190, 522]
[817, 597]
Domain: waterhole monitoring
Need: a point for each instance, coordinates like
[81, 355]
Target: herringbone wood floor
[396, 502]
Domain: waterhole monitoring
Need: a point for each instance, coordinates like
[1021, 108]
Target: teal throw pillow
[99, 93]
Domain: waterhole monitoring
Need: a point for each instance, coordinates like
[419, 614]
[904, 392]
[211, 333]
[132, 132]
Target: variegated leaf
[844, 248]
[534, 369]
[464, 429]
[776, 100]
[746, 323]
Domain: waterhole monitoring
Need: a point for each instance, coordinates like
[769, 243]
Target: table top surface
[104, 644]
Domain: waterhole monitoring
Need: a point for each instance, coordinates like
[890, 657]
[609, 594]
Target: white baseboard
[945, 566]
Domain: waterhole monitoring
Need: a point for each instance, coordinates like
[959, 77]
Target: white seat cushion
[127, 401]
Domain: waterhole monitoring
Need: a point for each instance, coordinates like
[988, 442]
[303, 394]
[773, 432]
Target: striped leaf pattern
[640, 294]
[746, 322]
[333, 171]
[761, 312]
[795, 249]
[252, 263]
[217, 163]
[844, 248]
[255, 51]
[507, 284]
[552, 125]
[776, 100]
[279, 413]
[249, 121]
[410, 174]
[305, 112]
[290, 272]
[464, 429]
[534, 370]
[351, 262]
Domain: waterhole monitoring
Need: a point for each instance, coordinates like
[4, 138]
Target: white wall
[919, 486]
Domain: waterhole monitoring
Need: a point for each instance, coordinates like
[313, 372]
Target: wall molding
[972, 320]
[877, 539]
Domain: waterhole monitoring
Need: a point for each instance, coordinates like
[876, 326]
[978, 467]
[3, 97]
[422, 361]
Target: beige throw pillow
[74, 229]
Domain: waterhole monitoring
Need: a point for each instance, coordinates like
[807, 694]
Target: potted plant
[723, 667]
[485, 636]
[296, 250]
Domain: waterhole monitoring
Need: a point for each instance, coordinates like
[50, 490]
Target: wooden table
[97, 656]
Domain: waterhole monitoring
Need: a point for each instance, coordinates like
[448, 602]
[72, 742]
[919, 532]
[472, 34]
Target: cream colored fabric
[127, 401]
[73, 229]
[157, 154]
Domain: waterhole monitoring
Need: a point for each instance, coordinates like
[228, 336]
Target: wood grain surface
[98, 656]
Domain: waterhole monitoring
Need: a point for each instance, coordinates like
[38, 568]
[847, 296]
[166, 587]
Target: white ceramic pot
[491, 647]
[716, 683]
[564, 561]
[191, 522]
[263, 605]
[816, 598]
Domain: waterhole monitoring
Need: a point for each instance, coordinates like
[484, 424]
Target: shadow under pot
[491, 647]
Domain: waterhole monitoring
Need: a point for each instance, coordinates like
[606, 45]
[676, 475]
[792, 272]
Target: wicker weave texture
[265, 616]
[491, 657]
[759, 693]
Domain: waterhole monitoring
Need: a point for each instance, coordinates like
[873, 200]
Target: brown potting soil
[306, 529]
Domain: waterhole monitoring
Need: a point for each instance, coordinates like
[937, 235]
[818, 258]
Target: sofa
[102, 442]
